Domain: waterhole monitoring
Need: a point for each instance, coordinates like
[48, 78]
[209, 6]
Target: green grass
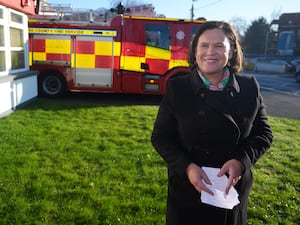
[71, 163]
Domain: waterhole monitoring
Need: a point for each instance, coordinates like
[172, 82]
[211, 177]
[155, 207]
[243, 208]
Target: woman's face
[213, 52]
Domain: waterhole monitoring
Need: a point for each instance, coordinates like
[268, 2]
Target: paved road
[282, 105]
[281, 95]
[285, 84]
[278, 104]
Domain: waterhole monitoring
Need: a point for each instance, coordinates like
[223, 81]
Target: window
[13, 41]
[194, 30]
[158, 35]
[17, 40]
[16, 18]
[17, 51]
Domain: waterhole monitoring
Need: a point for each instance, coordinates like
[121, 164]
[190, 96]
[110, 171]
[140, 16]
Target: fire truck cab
[129, 55]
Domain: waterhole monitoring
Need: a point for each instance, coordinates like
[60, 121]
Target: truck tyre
[52, 84]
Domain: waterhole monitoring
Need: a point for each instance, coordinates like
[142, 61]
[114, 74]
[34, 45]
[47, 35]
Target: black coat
[208, 128]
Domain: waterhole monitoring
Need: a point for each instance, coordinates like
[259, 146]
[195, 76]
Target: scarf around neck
[219, 86]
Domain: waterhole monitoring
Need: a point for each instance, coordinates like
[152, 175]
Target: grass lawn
[71, 163]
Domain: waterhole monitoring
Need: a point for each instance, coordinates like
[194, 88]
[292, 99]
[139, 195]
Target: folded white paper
[219, 199]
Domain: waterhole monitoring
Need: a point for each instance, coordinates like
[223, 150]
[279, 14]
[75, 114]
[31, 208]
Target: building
[287, 35]
[18, 84]
[68, 13]
[143, 10]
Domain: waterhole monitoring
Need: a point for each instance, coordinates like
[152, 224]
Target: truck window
[157, 35]
[194, 30]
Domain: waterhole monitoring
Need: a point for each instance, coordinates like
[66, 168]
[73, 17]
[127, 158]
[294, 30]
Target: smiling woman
[212, 54]
[213, 117]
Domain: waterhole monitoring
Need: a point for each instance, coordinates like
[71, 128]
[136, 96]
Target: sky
[210, 9]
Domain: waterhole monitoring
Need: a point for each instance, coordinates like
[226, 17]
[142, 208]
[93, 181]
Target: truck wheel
[52, 84]
[298, 77]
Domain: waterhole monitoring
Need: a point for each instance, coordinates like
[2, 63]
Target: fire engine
[131, 54]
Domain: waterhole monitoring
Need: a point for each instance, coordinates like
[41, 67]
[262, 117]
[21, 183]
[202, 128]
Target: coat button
[201, 113]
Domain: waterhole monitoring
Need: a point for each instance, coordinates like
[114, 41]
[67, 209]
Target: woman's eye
[203, 46]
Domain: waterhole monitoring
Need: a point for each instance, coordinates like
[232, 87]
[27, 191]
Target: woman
[213, 117]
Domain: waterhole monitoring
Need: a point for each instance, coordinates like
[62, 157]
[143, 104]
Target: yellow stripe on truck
[177, 63]
[107, 33]
[85, 61]
[107, 48]
[30, 59]
[39, 56]
[157, 53]
[132, 63]
[58, 46]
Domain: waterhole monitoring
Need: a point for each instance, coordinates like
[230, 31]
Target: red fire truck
[130, 55]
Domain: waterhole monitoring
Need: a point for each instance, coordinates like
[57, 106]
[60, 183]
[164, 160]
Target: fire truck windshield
[157, 35]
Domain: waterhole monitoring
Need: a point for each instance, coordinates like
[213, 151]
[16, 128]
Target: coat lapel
[220, 103]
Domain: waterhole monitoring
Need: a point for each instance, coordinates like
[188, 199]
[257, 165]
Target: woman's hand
[196, 176]
[234, 168]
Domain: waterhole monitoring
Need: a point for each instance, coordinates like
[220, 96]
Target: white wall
[6, 96]
[17, 90]
[17, 83]
[270, 67]
[25, 89]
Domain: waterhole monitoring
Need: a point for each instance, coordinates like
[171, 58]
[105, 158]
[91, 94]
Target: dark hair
[236, 61]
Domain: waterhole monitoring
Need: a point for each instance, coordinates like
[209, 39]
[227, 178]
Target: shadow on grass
[90, 100]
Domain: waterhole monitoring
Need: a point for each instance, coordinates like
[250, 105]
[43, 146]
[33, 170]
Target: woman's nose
[211, 49]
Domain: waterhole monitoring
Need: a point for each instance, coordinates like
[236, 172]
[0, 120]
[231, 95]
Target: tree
[240, 25]
[256, 36]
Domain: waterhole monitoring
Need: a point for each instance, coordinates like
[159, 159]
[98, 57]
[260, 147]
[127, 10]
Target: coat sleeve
[165, 136]
[260, 137]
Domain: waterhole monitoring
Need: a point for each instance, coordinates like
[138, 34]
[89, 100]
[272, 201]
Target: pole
[192, 10]
[266, 43]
